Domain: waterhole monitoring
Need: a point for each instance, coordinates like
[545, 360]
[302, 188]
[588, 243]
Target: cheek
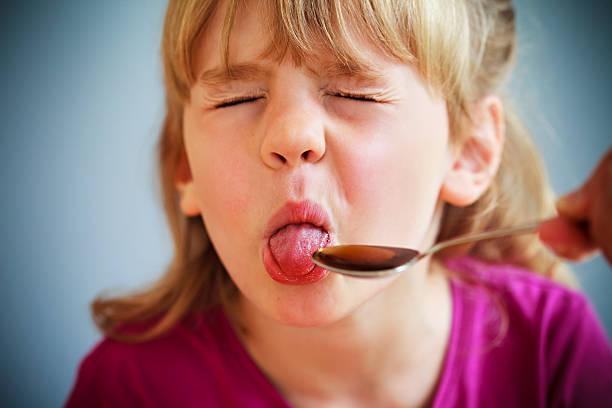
[392, 177]
[222, 186]
[220, 173]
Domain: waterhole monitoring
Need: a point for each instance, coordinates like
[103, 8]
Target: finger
[577, 204]
[600, 219]
[567, 239]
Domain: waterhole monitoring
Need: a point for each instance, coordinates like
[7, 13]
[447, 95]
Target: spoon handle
[481, 236]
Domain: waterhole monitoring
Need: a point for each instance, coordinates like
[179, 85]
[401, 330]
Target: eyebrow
[232, 72]
[358, 70]
[253, 71]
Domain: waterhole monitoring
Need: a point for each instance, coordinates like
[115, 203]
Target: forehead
[251, 38]
[246, 40]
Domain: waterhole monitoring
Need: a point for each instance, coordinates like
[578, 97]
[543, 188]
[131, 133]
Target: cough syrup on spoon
[370, 261]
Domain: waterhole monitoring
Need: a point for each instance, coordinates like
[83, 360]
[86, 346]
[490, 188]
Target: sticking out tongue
[293, 245]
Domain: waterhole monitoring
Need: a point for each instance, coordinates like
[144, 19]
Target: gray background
[82, 104]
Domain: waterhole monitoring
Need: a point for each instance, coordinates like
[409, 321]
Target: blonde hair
[464, 50]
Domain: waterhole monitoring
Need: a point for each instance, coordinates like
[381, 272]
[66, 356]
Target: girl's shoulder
[529, 305]
[528, 338]
[199, 361]
[511, 280]
[117, 373]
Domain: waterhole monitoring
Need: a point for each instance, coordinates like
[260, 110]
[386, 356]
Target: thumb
[575, 205]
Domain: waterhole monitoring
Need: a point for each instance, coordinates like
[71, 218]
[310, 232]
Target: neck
[390, 350]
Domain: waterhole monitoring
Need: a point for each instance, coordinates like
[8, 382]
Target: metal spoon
[369, 261]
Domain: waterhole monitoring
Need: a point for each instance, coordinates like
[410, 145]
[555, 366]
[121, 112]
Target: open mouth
[294, 233]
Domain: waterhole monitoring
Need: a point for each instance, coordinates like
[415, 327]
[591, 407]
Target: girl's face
[286, 156]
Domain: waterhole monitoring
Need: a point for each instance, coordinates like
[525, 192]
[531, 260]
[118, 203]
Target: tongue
[293, 245]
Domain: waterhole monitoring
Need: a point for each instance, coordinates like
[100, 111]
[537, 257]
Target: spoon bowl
[371, 261]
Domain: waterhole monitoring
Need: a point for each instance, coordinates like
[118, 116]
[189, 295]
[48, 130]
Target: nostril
[305, 155]
[281, 157]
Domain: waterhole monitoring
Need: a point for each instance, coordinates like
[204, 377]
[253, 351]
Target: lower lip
[315, 275]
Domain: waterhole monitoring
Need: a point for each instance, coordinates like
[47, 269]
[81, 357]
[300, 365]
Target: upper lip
[297, 213]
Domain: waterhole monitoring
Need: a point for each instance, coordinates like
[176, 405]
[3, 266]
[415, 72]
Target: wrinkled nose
[293, 135]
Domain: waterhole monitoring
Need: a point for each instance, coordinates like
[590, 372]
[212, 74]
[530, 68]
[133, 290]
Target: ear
[186, 189]
[477, 157]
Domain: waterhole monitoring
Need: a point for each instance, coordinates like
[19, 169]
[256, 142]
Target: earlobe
[186, 189]
[477, 158]
[188, 202]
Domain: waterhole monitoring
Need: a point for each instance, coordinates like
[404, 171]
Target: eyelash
[237, 101]
[347, 95]
[356, 96]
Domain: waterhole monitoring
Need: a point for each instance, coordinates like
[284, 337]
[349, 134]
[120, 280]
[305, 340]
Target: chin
[304, 319]
[317, 305]
[307, 306]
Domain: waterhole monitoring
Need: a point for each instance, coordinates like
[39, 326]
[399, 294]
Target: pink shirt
[554, 353]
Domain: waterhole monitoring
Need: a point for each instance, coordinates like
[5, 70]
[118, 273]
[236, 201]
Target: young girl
[293, 125]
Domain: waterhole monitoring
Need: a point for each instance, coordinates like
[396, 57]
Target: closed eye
[357, 97]
[237, 101]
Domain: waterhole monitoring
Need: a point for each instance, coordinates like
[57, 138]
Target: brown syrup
[364, 257]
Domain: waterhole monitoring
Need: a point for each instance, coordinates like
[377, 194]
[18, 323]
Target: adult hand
[584, 223]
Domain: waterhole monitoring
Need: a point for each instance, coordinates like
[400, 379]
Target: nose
[294, 134]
